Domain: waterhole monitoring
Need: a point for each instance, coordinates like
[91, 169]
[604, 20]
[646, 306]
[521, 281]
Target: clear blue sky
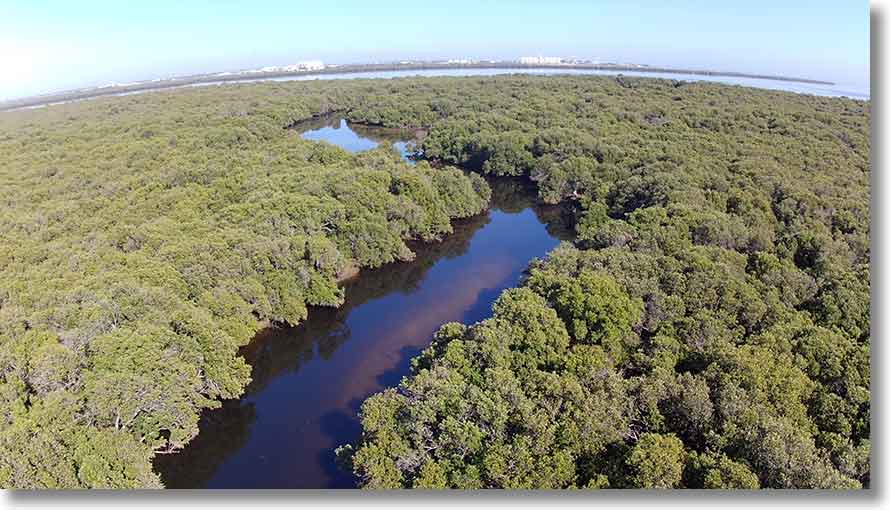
[53, 45]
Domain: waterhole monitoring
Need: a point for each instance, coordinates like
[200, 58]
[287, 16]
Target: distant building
[460, 61]
[540, 60]
[309, 65]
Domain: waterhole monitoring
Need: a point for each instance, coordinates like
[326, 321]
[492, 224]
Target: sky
[48, 46]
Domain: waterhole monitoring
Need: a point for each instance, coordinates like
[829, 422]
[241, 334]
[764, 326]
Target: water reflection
[309, 381]
[353, 137]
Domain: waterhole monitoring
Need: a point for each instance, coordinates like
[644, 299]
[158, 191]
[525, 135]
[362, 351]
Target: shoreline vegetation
[175, 82]
[389, 313]
[677, 329]
[709, 326]
[150, 282]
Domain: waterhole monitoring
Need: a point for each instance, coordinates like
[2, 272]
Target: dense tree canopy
[708, 326]
[144, 240]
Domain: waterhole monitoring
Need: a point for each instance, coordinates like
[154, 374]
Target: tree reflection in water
[383, 349]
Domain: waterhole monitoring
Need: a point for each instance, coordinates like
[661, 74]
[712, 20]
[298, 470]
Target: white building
[309, 65]
[540, 60]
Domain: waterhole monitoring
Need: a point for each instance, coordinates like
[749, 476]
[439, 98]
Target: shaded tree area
[707, 328]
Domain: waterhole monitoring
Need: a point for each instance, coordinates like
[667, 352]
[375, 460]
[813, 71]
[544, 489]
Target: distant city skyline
[52, 46]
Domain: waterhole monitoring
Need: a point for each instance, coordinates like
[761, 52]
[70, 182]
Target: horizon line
[405, 64]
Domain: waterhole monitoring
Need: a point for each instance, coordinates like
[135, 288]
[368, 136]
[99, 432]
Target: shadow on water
[309, 381]
[274, 351]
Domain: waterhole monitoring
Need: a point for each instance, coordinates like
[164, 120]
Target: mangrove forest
[703, 321]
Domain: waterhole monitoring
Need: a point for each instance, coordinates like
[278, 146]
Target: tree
[595, 309]
[656, 461]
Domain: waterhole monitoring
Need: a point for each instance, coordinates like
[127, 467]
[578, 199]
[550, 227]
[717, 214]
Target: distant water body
[836, 90]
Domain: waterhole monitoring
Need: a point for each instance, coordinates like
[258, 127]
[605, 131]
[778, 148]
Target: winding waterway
[309, 381]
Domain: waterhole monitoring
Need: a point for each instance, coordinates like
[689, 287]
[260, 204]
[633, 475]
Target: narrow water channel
[309, 381]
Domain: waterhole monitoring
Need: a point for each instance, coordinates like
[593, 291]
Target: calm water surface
[309, 381]
[356, 137]
[853, 91]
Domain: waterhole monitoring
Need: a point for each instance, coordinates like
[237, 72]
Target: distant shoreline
[234, 77]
